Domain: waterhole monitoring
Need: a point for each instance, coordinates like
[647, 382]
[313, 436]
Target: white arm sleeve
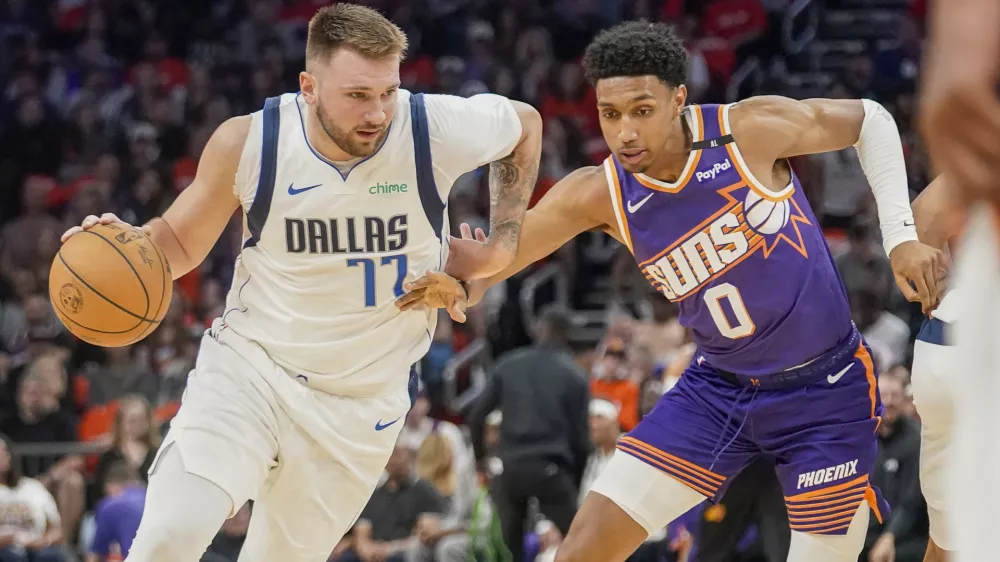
[469, 132]
[881, 154]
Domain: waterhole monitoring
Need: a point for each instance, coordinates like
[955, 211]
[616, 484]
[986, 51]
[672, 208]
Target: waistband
[820, 367]
[935, 331]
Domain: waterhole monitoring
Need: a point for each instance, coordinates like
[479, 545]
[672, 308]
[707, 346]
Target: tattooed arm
[512, 180]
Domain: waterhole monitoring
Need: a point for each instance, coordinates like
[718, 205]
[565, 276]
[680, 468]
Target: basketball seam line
[98, 293]
[58, 308]
[132, 267]
[163, 289]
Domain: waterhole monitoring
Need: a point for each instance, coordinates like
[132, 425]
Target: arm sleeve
[881, 154]
[467, 133]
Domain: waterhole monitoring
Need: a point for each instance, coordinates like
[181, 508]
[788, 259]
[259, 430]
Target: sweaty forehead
[623, 90]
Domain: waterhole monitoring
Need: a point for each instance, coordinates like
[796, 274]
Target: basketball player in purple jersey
[960, 122]
[704, 198]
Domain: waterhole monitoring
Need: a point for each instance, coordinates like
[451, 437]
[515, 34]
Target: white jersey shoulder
[326, 251]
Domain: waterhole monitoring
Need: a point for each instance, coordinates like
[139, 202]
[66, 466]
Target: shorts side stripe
[681, 475]
[704, 473]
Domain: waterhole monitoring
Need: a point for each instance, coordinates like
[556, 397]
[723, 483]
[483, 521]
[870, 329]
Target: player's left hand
[435, 290]
[474, 257]
[920, 272]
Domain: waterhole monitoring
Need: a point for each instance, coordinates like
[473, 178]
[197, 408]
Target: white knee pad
[650, 496]
[807, 547]
[183, 513]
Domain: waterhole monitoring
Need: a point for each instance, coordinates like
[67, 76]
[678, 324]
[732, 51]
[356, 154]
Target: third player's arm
[577, 203]
[512, 180]
[938, 213]
[189, 229]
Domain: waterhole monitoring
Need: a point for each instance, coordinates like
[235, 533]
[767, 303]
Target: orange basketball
[110, 285]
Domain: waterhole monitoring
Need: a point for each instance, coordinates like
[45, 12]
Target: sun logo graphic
[765, 216]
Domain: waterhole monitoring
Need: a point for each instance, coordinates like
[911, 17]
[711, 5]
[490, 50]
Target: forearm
[512, 180]
[881, 154]
[162, 234]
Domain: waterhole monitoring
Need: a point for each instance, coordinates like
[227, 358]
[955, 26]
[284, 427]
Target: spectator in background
[19, 238]
[903, 536]
[386, 529]
[38, 419]
[864, 264]
[118, 514]
[612, 382]
[135, 438]
[445, 539]
[896, 68]
[604, 434]
[419, 426]
[886, 334]
[29, 520]
[122, 374]
[543, 438]
[228, 542]
[662, 334]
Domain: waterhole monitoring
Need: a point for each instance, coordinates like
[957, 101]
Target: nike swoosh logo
[907, 223]
[293, 191]
[379, 426]
[633, 208]
[834, 378]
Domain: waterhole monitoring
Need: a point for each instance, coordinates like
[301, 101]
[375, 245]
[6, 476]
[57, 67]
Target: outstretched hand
[435, 290]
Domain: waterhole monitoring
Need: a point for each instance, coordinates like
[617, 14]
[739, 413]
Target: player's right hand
[90, 222]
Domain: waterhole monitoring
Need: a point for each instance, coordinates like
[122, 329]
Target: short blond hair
[358, 28]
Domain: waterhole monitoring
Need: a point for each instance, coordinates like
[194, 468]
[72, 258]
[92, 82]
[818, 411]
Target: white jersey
[325, 253]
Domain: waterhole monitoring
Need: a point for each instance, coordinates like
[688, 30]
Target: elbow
[531, 124]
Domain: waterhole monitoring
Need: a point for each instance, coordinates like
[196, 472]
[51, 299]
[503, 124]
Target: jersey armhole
[617, 200]
[741, 166]
[248, 170]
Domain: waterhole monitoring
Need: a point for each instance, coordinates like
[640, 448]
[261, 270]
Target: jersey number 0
[368, 265]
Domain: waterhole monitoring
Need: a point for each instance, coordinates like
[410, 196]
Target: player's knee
[170, 540]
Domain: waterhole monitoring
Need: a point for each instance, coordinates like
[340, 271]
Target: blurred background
[106, 105]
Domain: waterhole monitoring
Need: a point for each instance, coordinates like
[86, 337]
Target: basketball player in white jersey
[301, 386]
[936, 373]
[960, 122]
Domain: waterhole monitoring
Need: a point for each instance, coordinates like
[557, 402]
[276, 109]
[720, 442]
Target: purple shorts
[820, 431]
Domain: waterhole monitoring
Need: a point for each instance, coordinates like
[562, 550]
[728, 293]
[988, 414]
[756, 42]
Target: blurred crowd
[106, 106]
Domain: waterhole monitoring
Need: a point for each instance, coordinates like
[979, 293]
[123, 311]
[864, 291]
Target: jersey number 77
[368, 266]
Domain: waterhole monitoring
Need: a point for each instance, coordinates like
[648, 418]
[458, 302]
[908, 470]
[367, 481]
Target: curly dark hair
[637, 48]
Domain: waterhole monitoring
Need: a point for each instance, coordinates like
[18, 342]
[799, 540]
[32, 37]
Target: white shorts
[310, 460]
[934, 374]
[972, 477]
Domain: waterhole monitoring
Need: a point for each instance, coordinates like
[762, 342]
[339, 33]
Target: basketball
[110, 285]
[764, 215]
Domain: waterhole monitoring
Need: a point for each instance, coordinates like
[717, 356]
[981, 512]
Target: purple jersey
[749, 268]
